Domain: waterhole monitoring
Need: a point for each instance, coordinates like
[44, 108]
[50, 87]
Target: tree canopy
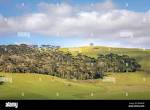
[48, 59]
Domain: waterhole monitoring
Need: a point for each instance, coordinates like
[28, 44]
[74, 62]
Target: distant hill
[141, 55]
[71, 63]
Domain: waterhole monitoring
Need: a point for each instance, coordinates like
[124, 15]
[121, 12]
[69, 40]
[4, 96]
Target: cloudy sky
[69, 23]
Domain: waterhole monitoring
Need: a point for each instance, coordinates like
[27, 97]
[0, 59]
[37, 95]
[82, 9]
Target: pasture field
[113, 86]
[133, 85]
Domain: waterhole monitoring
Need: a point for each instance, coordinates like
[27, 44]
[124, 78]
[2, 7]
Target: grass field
[113, 86]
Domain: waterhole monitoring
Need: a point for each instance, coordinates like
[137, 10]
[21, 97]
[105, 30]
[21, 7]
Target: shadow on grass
[1, 81]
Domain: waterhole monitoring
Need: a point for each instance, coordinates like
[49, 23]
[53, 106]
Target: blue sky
[17, 12]
[8, 7]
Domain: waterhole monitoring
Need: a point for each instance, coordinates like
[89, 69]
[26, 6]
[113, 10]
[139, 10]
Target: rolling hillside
[141, 55]
[113, 86]
[130, 85]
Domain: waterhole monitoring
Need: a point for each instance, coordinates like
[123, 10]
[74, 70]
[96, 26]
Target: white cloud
[102, 21]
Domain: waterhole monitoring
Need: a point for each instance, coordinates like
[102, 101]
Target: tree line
[50, 60]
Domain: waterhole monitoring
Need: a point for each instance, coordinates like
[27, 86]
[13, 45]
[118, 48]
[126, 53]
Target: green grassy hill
[113, 86]
[141, 55]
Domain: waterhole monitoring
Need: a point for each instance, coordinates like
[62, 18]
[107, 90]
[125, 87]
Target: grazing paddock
[113, 86]
[134, 85]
